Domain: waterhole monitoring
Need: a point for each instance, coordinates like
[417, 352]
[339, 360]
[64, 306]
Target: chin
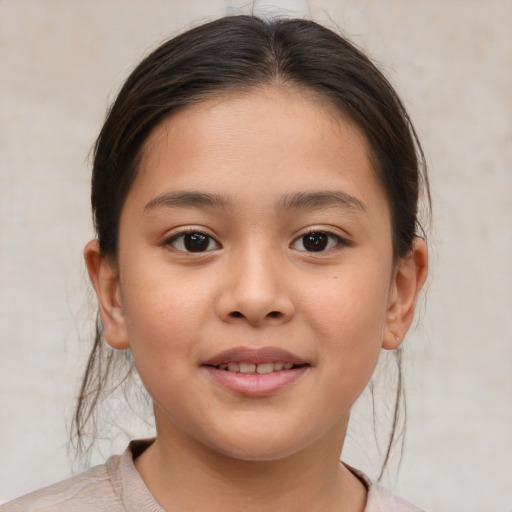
[261, 447]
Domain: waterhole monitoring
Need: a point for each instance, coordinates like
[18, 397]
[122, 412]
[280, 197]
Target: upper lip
[255, 355]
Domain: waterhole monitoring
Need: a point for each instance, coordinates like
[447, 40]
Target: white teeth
[261, 368]
[265, 368]
[233, 367]
[247, 367]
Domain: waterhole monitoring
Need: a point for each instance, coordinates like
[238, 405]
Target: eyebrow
[188, 198]
[314, 200]
[295, 201]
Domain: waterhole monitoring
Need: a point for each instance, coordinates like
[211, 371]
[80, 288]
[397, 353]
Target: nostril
[272, 314]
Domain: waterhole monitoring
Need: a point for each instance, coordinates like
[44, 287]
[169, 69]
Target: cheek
[353, 300]
[348, 314]
[164, 312]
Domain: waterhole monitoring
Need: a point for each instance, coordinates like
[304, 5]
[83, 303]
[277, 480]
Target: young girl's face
[255, 237]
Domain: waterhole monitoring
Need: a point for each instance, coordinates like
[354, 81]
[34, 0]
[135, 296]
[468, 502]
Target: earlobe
[104, 277]
[409, 277]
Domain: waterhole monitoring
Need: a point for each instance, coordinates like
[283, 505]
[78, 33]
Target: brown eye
[193, 242]
[317, 241]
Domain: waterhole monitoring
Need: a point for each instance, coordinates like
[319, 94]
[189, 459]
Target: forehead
[266, 140]
[283, 110]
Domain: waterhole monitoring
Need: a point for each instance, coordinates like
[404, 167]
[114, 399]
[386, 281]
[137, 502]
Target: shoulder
[90, 490]
[114, 487]
[380, 499]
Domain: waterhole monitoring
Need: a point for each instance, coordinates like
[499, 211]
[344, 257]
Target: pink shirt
[116, 486]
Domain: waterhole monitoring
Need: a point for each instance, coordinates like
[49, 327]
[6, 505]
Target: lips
[255, 356]
[255, 372]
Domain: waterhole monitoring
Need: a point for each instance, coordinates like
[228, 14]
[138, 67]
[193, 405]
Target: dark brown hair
[238, 53]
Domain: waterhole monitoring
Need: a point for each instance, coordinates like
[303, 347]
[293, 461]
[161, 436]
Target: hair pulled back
[238, 53]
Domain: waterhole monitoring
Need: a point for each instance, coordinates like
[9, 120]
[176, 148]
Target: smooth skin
[255, 172]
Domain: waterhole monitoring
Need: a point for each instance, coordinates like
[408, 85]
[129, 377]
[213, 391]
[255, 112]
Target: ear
[409, 276]
[104, 277]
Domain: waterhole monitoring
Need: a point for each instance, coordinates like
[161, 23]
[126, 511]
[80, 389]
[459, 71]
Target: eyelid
[342, 241]
[178, 233]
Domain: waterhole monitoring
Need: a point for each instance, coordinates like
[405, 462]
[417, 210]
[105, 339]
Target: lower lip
[253, 384]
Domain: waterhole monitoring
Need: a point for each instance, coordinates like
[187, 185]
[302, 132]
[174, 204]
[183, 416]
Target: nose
[254, 290]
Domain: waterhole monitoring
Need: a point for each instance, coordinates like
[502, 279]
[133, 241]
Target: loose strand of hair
[399, 419]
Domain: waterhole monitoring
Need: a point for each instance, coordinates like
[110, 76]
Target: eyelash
[180, 237]
[332, 241]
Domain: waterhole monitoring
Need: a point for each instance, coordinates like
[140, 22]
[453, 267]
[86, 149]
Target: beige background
[62, 62]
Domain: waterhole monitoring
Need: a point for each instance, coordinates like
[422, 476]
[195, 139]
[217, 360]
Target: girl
[255, 194]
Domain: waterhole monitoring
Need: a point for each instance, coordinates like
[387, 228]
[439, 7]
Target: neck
[183, 474]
